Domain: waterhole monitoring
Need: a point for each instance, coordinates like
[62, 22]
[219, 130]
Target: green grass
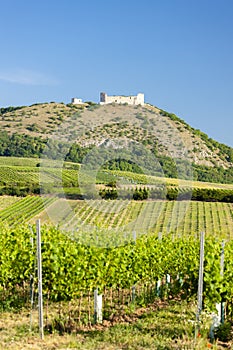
[163, 325]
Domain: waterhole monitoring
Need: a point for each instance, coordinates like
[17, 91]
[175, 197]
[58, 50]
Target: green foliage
[70, 268]
[9, 109]
[140, 194]
[76, 153]
[224, 332]
[33, 127]
[212, 174]
[123, 165]
[20, 145]
[173, 117]
[108, 193]
[199, 194]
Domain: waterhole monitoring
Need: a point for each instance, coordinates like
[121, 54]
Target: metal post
[39, 274]
[200, 281]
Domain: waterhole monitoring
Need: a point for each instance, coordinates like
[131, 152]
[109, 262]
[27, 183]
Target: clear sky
[178, 52]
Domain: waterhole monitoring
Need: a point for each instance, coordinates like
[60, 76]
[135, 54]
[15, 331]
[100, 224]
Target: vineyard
[24, 209]
[121, 248]
[24, 171]
[180, 218]
[72, 271]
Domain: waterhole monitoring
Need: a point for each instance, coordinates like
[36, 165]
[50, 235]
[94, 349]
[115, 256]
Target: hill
[27, 129]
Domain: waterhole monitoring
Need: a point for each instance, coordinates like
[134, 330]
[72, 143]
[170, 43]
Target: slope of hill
[169, 138]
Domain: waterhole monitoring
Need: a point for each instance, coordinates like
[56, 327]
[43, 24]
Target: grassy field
[161, 325]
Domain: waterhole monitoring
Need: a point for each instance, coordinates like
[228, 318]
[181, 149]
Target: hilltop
[167, 136]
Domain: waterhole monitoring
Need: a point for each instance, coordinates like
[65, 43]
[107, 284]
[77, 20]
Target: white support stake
[158, 288]
[39, 274]
[98, 316]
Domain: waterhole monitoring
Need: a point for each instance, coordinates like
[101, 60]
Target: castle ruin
[131, 100]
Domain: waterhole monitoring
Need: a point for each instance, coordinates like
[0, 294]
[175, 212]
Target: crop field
[177, 217]
[17, 161]
[154, 180]
[180, 218]
[23, 209]
[24, 171]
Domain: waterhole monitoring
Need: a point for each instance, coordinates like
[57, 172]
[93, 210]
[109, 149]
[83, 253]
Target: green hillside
[72, 132]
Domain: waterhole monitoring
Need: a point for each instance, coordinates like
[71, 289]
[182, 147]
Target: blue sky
[178, 52]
